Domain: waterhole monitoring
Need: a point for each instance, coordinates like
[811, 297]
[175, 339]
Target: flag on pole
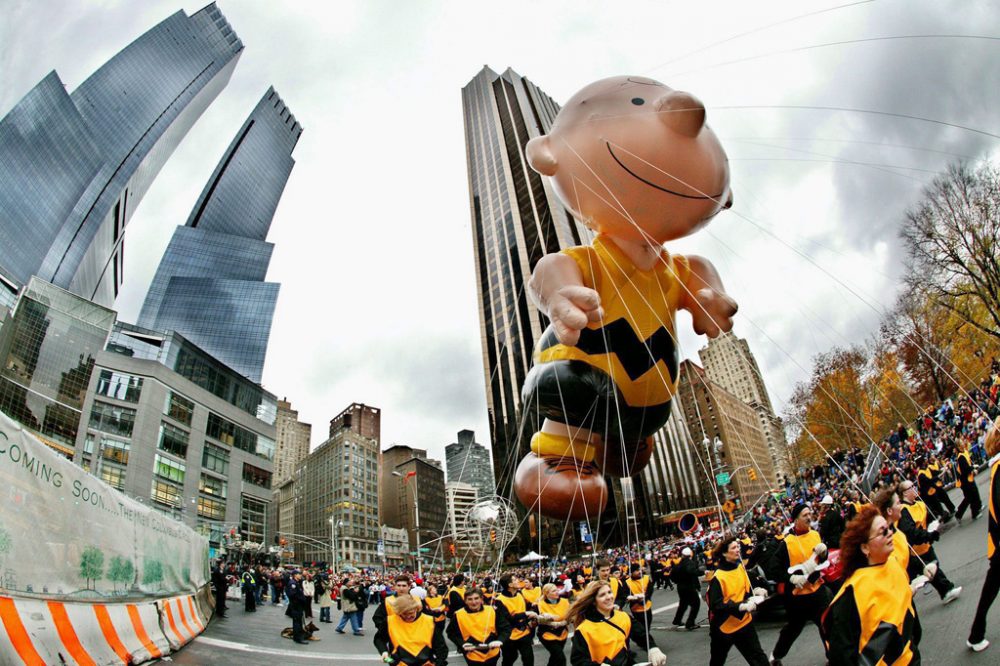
[408, 475]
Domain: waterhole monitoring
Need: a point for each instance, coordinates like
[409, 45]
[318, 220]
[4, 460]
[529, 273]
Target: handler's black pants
[800, 610]
[990, 588]
[745, 640]
[688, 599]
[557, 652]
[522, 647]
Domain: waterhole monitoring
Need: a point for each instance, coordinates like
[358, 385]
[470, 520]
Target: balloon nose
[682, 112]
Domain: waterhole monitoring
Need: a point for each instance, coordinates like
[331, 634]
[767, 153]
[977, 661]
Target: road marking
[666, 608]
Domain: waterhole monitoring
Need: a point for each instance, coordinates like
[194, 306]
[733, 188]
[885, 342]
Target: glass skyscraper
[210, 284]
[516, 220]
[74, 166]
[47, 352]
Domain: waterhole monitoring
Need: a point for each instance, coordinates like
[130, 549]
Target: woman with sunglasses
[872, 619]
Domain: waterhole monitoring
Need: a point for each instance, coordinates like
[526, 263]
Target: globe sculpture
[490, 524]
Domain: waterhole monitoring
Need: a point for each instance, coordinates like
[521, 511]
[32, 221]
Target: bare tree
[951, 238]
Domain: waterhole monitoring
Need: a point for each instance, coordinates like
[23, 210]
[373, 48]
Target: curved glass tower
[210, 285]
[73, 167]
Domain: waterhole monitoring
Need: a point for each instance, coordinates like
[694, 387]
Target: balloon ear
[540, 156]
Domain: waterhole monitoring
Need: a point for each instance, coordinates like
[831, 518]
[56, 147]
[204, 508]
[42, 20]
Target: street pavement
[242, 638]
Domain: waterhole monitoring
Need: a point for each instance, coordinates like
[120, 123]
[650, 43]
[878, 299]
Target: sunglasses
[885, 532]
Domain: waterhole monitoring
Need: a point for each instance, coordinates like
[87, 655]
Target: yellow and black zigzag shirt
[873, 617]
[638, 326]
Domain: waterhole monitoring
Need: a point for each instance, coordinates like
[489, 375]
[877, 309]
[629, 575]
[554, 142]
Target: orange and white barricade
[40, 633]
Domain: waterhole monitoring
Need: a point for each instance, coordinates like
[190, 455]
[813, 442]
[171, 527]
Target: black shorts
[580, 395]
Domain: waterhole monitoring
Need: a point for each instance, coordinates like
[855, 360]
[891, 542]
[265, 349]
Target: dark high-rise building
[74, 166]
[362, 419]
[469, 462]
[516, 220]
[210, 284]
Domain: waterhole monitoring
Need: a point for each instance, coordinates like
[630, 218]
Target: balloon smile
[659, 187]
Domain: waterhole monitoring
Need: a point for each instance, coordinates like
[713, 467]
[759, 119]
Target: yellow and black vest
[918, 512]
[435, 604]
[615, 585]
[735, 586]
[516, 607]
[605, 642]
[964, 462]
[800, 549]
[885, 612]
[926, 482]
[901, 548]
[478, 628]
[532, 596]
[639, 587]
[390, 608]
[557, 610]
[412, 642]
[634, 344]
[993, 526]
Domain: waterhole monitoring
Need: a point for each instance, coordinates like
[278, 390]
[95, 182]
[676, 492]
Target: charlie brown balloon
[634, 161]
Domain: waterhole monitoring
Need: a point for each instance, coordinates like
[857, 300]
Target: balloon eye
[638, 101]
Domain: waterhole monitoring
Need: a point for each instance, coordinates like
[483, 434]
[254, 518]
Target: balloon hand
[711, 312]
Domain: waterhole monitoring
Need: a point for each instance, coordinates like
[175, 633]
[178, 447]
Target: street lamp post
[334, 524]
[416, 522]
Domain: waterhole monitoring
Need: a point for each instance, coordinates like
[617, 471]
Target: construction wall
[88, 575]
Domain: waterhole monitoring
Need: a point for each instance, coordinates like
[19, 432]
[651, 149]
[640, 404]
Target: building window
[253, 512]
[179, 408]
[211, 509]
[215, 459]
[256, 476]
[112, 419]
[115, 450]
[168, 469]
[165, 493]
[211, 485]
[173, 440]
[119, 386]
[113, 475]
[236, 436]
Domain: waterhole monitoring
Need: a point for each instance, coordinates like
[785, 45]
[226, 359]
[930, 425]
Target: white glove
[656, 657]
[632, 597]
[931, 570]
[798, 580]
[558, 624]
[756, 600]
[760, 592]
[934, 526]
[820, 551]
[748, 606]
[917, 583]
[531, 615]
[386, 658]
[468, 647]
[496, 644]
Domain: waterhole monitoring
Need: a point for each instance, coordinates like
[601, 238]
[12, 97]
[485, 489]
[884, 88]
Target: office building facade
[461, 497]
[337, 501]
[210, 285]
[74, 166]
[516, 220]
[167, 424]
[411, 481]
[731, 437]
[728, 362]
[469, 462]
[293, 442]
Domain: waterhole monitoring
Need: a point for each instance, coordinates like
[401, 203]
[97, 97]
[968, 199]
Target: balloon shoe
[560, 480]
[620, 461]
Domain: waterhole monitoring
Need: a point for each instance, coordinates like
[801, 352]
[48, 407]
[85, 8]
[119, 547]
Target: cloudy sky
[374, 246]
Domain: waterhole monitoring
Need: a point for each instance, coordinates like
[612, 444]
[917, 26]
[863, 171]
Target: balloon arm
[705, 298]
[553, 272]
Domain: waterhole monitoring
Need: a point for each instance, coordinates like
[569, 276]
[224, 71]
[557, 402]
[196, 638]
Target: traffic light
[493, 536]
[451, 549]
[752, 473]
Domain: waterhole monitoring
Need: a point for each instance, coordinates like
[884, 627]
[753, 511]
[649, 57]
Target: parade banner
[66, 535]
